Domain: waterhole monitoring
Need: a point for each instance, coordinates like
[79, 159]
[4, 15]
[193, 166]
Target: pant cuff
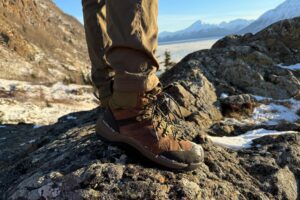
[129, 82]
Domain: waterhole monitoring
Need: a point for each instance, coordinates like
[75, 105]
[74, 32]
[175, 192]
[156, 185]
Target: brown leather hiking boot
[146, 128]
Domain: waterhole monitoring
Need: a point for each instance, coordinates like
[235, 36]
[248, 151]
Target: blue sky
[178, 14]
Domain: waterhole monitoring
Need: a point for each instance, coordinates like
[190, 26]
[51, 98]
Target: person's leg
[132, 27]
[135, 115]
[94, 13]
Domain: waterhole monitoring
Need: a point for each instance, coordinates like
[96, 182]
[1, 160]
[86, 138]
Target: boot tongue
[133, 100]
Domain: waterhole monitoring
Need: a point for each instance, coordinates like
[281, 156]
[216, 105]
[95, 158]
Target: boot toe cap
[198, 152]
[193, 156]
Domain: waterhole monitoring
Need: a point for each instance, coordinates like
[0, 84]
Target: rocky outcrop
[217, 89]
[67, 161]
[41, 44]
[249, 63]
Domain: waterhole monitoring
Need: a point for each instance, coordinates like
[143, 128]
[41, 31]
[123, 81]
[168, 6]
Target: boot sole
[106, 133]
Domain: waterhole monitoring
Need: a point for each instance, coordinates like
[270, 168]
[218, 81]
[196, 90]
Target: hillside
[242, 104]
[43, 62]
[41, 44]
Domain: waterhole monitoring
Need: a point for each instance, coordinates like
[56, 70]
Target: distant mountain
[200, 29]
[286, 10]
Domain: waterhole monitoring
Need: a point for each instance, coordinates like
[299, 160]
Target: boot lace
[162, 111]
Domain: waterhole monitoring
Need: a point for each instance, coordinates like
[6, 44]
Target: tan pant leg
[132, 27]
[94, 12]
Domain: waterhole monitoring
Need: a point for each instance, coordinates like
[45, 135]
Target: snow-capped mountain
[200, 29]
[237, 24]
[286, 10]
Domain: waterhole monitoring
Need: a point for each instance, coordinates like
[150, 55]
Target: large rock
[192, 90]
[280, 41]
[67, 161]
[237, 105]
[249, 64]
[287, 184]
[276, 164]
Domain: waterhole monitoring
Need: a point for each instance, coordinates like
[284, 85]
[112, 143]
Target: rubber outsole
[106, 133]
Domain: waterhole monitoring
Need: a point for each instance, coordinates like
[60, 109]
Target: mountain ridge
[201, 29]
[287, 10]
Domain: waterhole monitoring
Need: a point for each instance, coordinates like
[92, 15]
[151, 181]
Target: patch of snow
[233, 121]
[274, 113]
[42, 104]
[260, 98]
[271, 112]
[291, 67]
[246, 140]
[224, 96]
[22, 144]
[37, 126]
[4, 138]
[71, 117]
[31, 141]
[2, 126]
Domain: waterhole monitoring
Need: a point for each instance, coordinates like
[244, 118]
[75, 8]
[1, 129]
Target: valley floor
[179, 50]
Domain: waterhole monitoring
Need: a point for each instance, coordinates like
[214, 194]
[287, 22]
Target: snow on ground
[291, 67]
[58, 91]
[270, 112]
[273, 114]
[224, 96]
[36, 126]
[245, 140]
[276, 111]
[16, 112]
[71, 117]
[40, 104]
